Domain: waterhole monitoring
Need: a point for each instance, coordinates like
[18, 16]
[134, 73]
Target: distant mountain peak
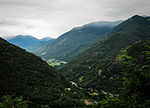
[137, 17]
[29, 42]
[46, 39]
[104, 23]
[25, 36]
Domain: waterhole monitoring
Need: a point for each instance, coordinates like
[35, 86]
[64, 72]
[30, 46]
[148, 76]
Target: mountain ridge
[29, 43]
[67, 44]
[94, 60]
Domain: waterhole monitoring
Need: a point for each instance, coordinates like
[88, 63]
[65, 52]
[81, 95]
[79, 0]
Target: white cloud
[42, 18]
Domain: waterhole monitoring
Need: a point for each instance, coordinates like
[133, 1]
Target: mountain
[28, 42]
[131, 67]
[75, 41]
[46, 39]
[23, 41]
[41, 43]
[89, 69]
[25, 74]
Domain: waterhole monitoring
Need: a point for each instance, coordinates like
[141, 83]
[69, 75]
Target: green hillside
[74, 42]
[92, 64]
[132, 67]
[24, 74]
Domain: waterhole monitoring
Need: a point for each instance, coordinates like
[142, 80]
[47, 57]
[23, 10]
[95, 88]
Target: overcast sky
[42, 18]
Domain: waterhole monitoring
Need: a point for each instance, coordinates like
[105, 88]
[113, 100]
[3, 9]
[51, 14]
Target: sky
[51, 18]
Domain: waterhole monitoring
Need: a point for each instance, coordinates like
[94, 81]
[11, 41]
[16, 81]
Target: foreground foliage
[8, 101]
[24, 74]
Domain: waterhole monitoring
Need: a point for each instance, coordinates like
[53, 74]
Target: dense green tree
[8, 101]
[27, 75]
[134, 64]
[136, 69]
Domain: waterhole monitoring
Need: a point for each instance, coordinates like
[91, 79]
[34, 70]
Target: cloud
[42, 18]
[8, 22]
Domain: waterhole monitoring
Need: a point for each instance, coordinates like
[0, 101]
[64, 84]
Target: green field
[53, 64]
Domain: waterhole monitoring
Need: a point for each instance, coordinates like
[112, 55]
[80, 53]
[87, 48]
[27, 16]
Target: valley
[55, 63]
[98, 65]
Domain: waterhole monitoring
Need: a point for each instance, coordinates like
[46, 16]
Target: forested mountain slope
[91, 65]
[131, 67]
[25, 74]
[77, 40]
